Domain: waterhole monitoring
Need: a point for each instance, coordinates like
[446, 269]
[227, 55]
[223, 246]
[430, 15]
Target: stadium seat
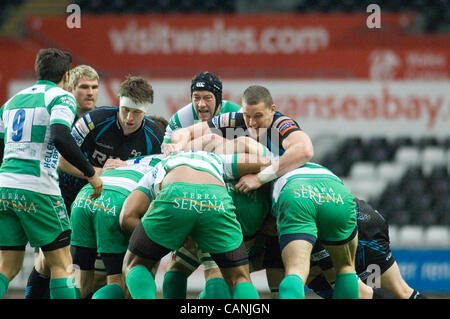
[440, 186]
[426, 217]
[399, 218]
[324, 146]
[378, 149]
[427, 141]
[411, 236]
[437, 236]
[438, 172]
[442, 209]
[408, 156]
[363, 170]
[365, 189]
[421, 202]
[400, 141]
[413, 187]
[433, 156]
[390, 171]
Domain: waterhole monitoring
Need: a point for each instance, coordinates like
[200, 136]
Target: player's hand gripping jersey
[220, 166]
[233, 125]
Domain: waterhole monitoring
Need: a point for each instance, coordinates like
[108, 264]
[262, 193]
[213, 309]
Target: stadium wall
[330, 72]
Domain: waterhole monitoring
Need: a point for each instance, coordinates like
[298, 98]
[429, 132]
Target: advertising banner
[425, 270]
[275, 45]
[341, 108]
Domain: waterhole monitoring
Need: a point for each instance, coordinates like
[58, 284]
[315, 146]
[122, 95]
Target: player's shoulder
[185, 112]
[230, 106]
[101, 113]
[56, 92]
[98, 117]
[150, 124]
[284, 123]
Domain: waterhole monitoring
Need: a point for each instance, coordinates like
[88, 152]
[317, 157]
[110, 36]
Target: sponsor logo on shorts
[17, 202]
[319, 195]
[102, 203]
[199, 202]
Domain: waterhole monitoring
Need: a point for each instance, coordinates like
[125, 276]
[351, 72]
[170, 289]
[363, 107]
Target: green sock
[292, 287]
[245, 290]
[4, 282]
[346, 286]
[62, 288]
[202, 295]
[216, 288]
[140, 283]
[174, 285]
[111, 291]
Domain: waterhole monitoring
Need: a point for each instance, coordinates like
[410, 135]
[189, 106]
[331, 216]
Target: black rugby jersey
[233, 125]
[100, 136]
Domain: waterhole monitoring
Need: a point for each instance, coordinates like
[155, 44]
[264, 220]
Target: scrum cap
[206, 81]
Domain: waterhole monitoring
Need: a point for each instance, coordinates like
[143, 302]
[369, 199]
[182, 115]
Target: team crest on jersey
[90, 124]
[286, 126]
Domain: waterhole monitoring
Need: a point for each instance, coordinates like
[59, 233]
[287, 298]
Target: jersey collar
[46, 82]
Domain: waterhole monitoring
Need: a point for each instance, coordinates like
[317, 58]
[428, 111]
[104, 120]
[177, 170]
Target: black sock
[37, 286]
[417, 295]
[379, 293]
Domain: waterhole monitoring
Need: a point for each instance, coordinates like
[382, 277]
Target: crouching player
[311, 202]
[95, 227]
[188, 198]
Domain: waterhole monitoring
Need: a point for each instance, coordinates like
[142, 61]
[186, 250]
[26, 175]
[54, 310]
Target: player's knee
[9, 269]
[234, 258]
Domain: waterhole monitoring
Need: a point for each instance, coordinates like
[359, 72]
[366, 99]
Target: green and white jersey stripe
[221, 166]
[187, 116]
[126, 178]
[30, 158]
[307, 171]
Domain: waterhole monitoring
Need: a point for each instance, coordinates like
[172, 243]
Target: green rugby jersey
[187, 116]
[221, 166]
[306, 172]
[126, 178]
[30, 158]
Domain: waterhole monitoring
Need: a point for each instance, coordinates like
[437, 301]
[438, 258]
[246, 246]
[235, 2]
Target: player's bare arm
[133, 209]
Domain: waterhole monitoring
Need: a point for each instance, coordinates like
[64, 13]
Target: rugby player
[37, 121]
